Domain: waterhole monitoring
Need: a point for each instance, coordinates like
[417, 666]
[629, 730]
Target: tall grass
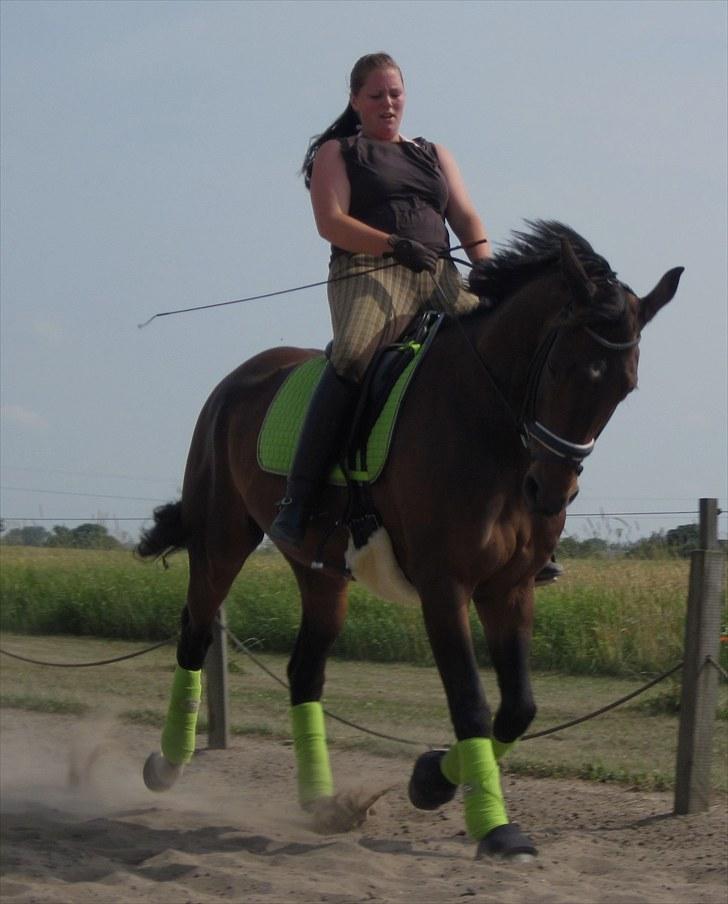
[605, 617]
[88, 592]
[614, 617]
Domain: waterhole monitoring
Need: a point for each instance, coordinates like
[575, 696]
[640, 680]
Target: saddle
[385, 369]
[363, 455]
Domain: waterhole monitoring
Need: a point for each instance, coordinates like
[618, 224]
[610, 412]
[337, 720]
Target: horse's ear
[581, 287]
[660, 295]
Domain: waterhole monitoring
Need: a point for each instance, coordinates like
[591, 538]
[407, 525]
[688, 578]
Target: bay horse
[490, 441]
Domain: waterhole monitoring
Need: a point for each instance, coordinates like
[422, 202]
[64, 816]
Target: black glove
[412, 254]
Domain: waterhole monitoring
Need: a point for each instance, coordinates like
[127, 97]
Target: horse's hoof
[159, 773]
[428, 788]
[509, 842]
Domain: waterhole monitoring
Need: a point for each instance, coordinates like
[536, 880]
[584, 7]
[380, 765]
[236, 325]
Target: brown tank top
[397, 187]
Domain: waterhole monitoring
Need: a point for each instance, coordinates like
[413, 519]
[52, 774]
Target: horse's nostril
[573, 496]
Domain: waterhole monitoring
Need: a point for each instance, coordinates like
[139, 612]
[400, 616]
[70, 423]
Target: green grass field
[616, 617]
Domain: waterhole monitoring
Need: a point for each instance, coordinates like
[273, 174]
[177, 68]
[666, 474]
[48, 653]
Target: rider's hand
[412, 254]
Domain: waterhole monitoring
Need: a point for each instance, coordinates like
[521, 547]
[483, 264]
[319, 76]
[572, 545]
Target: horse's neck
[507, 339]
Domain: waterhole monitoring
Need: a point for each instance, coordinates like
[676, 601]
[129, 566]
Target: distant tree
[61, 536]
[26, 536]
[85, 536]
[678, 542]
[569, 547]
[93, 536]
[591, 548]
[652, 547]
[683, 539]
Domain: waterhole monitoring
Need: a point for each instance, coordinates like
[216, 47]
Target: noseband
[533, 431]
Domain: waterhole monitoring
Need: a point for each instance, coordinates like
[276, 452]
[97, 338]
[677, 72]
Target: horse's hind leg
[324, 603]
[214, 564]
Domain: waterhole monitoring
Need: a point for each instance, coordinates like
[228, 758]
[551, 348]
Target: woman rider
[375, 195]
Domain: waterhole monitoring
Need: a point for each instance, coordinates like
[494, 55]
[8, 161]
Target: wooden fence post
[699, 678]
[217, 686]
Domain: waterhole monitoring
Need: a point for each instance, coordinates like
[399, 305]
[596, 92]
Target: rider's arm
[461, 213]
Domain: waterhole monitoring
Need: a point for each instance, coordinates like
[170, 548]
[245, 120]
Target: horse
[491, 438]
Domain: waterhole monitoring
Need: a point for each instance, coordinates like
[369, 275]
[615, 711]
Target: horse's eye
[597, 369]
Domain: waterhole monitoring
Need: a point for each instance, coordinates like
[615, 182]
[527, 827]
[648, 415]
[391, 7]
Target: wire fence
[29, 520]
[32, 519]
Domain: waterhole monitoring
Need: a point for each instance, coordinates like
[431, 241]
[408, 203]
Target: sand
[231, 831]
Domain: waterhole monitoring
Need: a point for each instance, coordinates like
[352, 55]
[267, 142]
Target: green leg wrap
[450, 765]
[312, 757]
[178, 736]
[472, 763]
[501, 748]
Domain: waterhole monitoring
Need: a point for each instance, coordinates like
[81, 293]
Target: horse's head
[585, 365]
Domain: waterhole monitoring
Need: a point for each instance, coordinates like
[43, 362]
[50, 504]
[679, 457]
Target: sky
[150, 157]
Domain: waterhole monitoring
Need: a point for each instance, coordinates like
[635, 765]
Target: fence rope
[539, 734]
[86, 665]
[243, 648]
[716, 665]
[604, 709]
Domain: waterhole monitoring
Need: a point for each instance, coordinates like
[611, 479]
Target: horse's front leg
[323, 601]
[471, 761]
[508, 625]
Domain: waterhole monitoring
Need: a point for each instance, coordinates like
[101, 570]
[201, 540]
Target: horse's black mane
[531, 253]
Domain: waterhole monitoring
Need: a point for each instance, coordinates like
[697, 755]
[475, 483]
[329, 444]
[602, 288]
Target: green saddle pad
[284, 419]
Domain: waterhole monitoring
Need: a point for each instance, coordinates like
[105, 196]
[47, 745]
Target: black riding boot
[326, 420]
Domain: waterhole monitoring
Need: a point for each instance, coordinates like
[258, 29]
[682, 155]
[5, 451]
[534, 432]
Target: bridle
[533, 433]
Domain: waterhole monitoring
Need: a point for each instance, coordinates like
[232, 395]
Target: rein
[529, 429]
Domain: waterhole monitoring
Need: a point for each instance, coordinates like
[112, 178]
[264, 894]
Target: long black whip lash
[222, 304]
[324, 282]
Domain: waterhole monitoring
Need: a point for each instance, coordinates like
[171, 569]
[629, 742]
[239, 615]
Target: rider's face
[380, 105]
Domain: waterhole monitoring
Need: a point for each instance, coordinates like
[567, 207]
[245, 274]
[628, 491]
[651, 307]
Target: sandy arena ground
[230, 831]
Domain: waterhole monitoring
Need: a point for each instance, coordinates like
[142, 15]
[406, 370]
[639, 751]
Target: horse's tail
[167, 535]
